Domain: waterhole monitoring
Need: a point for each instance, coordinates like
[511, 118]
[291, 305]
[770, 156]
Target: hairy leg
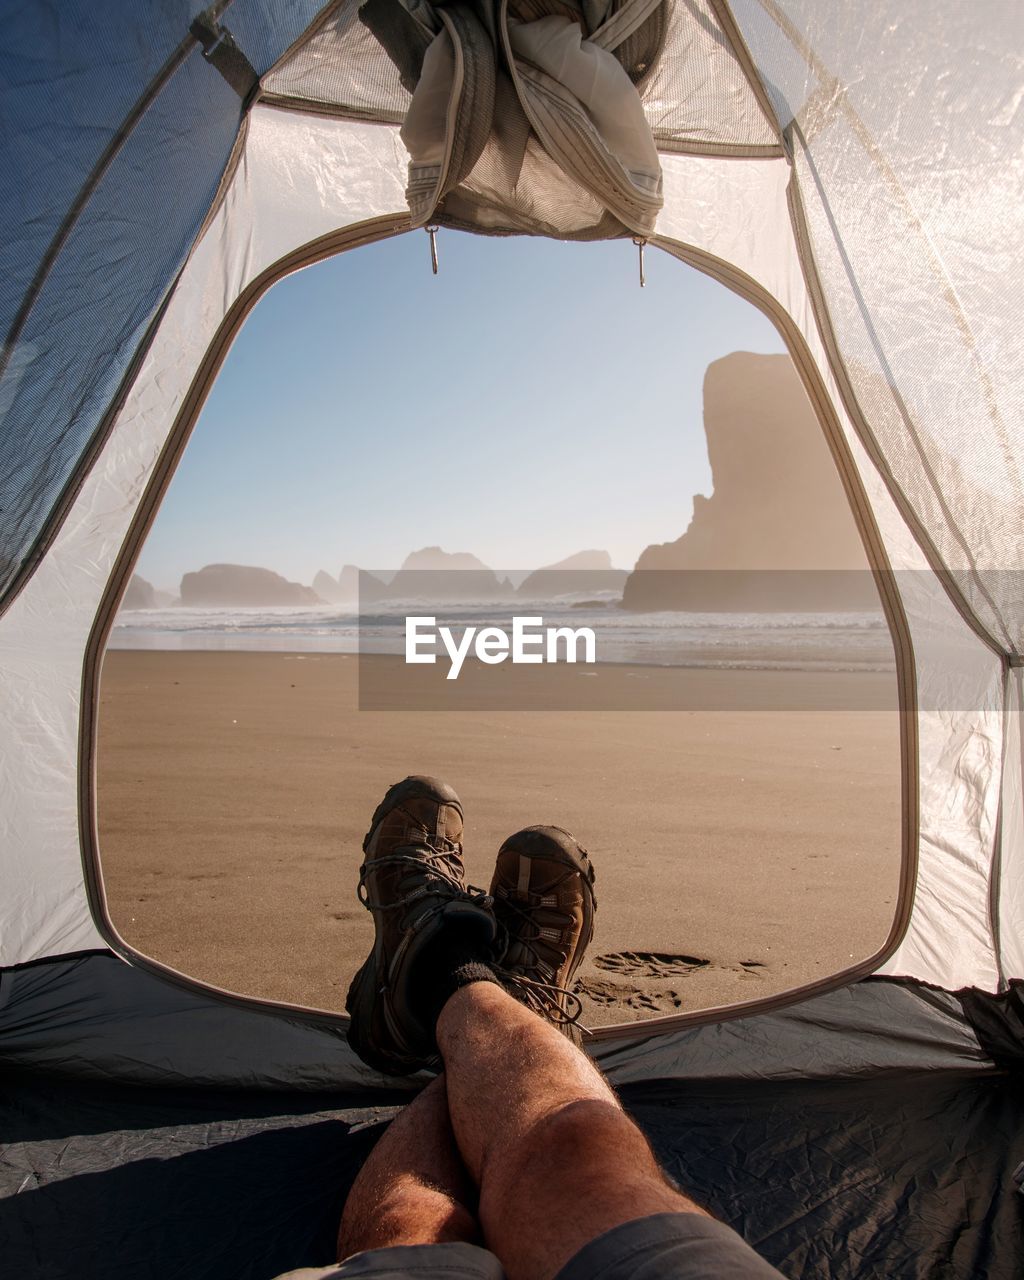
[414, 1188]
[555, 1157]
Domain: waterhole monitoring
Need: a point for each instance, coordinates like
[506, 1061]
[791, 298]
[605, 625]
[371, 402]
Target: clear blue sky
[528, 402]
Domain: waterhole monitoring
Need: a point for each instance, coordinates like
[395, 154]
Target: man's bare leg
[556, 1159]
[414, 1188]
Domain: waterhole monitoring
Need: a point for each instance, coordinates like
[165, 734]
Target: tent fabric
[82, 274]
[67, 357]
[909, 1178]
[299, 177]
[102, 1182]
[120, 1022]
[1010, 866]
[931, 343]
[874, 1129]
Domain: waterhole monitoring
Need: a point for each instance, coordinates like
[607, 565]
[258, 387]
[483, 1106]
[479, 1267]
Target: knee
[589, 1141]
[594, 1127]
[578, 1172]
[408, 1212]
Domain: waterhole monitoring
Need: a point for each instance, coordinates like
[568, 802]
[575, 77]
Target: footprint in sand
[646, 975]
[650, 964]
[598, 991]
[603, 992]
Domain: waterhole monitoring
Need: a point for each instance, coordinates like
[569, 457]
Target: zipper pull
[640, 241]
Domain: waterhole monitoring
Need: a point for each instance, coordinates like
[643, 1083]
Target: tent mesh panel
[343, 66]
[697, 92]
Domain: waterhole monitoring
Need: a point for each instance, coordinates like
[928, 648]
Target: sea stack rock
[433, 574]
[358, 587]
[244, 586]
[586, 571]
[348, 583]
[327, 588]
[140, 594]
[778, 515]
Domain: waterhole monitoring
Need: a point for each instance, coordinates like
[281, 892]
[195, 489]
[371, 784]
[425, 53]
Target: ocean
[752, 641]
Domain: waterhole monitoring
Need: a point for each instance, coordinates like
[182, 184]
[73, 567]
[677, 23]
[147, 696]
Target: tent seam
[995, 883]
[110, 152]
[665, 143]
[731, 31]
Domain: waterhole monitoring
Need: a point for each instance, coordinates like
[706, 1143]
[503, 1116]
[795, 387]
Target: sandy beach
[739, 852]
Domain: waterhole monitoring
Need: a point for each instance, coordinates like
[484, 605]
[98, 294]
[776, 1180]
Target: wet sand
[739, 852]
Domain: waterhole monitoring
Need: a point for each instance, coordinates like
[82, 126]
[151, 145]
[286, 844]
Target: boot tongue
[427, 818]
[449, 824]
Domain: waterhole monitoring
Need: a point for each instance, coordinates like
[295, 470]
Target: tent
[854, 171]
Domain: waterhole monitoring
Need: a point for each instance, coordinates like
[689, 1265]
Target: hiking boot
[424, 914]
[544, 900]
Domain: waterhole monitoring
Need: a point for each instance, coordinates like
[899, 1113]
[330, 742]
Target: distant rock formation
[242, 585]
[348, 583]
[354, 586]
[140, 594]
[433, 574]
[327, 588]
[143, 595]
[432, 559]
[588, 571]
[777, 505]
[592, 561]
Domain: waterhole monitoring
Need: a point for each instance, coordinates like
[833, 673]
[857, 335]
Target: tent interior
[856, 176]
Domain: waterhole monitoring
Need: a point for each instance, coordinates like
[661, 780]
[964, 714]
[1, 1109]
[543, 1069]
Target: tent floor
[897, 1176]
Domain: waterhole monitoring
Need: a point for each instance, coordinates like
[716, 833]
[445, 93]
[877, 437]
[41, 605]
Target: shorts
[667, 1246]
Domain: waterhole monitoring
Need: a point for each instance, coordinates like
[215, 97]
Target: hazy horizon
[515, 573]
[528, 403]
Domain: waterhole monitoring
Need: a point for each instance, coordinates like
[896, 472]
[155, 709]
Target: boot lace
[530, 982]
[435, 857]
[557, 1004]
